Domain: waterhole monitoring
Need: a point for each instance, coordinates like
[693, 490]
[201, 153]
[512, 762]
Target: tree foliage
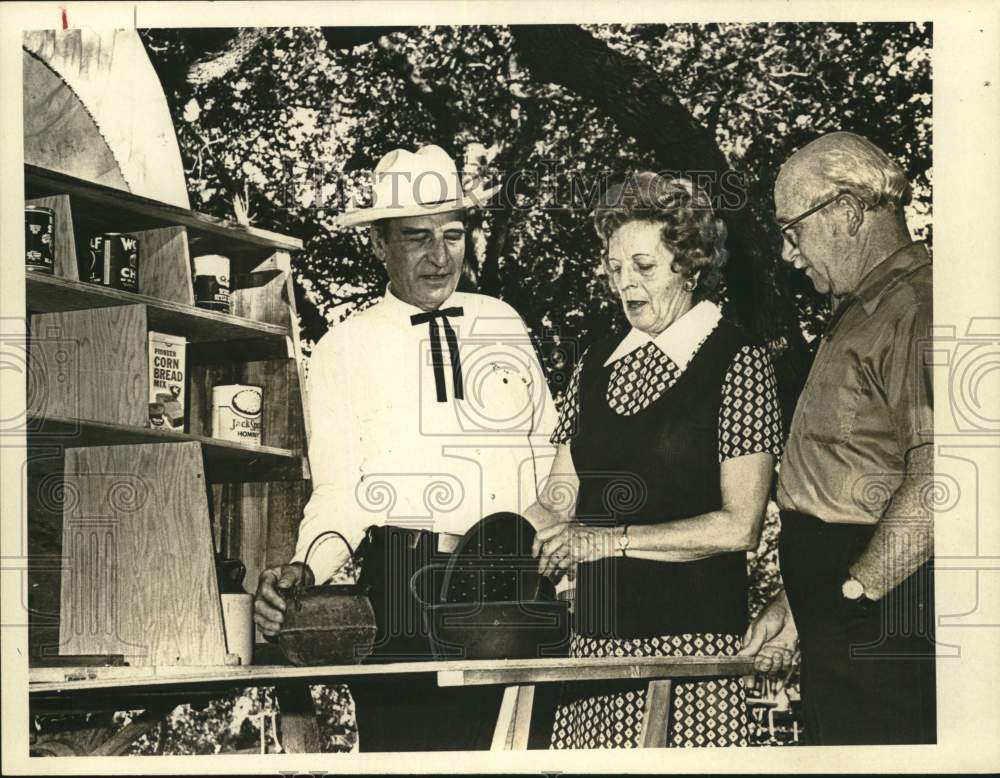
[292, 124]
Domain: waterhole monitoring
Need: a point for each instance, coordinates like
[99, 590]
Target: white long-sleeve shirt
[384, 450]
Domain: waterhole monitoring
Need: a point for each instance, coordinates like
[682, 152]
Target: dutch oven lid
[493, 563]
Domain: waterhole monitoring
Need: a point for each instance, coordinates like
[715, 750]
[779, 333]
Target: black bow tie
[437, 356]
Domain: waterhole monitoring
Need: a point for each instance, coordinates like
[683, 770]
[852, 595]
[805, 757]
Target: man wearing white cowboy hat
[429, 410]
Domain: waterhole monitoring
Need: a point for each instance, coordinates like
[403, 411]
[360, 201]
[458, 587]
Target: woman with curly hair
[665, 452]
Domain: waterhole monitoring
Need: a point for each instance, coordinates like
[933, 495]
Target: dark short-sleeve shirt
[868, 400]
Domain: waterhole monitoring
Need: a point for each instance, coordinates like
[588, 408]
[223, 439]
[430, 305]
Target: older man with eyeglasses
[856, 547]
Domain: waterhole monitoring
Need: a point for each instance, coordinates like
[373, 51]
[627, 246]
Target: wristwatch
[624, 540]
[852, 589]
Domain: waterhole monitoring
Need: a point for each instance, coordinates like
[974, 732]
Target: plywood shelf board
[90, 364]
[224, 460]
[137, 537]
[47, 294]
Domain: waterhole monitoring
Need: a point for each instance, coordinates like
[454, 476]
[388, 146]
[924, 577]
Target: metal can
[236, 413]
[211, 282]
[90, 264]
[39, 239]
[119, 261]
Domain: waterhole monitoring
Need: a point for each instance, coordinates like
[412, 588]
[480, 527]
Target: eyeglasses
[810, 211]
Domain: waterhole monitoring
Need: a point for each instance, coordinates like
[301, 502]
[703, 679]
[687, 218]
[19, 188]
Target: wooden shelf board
[50, 294]
[501, 671]
[208, 234]
[224, 460]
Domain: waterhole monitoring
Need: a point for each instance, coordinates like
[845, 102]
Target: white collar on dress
[679, 341]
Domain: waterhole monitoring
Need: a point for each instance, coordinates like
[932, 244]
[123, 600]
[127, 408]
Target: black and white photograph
[409, 387]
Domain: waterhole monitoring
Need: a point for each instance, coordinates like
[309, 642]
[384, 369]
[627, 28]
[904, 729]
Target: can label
[167, 372]
[212, 293]
[120, 269]
[211, 282]
[91, 264]
[236, 413]
[39, 241]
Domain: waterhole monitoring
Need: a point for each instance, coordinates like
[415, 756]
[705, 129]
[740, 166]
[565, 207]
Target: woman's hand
[563, 546]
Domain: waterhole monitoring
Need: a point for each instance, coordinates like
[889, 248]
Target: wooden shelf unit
[155, 504]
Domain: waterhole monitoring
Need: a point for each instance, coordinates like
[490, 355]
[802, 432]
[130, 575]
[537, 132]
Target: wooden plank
[656, 715]
[450, 673]
[45, 497]
[248, 535]
[165, 265]
[282, 414]
[133, 212]
[138, 541]
[201, 378]
[299, 731]
[261, 524]
[260, 296]
[64, 242]
[521, 725]
[224, 352]
[225, 460]
[284, 261]
[637, 668]
[216, 508]
[241, 512]
[90, 365]
[281, 421]
[50, 294]
[505, 720]
[284, 512]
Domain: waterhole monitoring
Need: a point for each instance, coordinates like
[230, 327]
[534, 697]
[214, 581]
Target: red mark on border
[64, 20]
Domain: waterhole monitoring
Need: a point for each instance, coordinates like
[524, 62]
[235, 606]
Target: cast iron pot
[526, 629]
[327, 625]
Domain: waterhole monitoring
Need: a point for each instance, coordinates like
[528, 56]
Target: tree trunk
[512, 161]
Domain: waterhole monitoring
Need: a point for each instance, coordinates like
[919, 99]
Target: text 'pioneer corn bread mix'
[167, 370]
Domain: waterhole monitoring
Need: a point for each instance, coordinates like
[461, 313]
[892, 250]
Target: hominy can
[236, 413]
[119, 266]
[39, 239]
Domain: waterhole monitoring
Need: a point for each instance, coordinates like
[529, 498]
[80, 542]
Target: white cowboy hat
[416, 184]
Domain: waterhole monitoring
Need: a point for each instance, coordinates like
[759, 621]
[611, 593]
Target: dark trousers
[867, 674]
[410, 712]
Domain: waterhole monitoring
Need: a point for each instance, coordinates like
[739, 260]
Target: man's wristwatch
[623, 540]
[852, 589]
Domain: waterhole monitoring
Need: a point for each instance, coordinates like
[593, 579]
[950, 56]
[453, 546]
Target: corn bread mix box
[167, 374]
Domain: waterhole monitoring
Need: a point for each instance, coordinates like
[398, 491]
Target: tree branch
[440, 101]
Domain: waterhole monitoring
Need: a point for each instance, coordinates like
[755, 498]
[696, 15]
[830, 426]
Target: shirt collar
[887, 273]
[397, 308]
[680, 341]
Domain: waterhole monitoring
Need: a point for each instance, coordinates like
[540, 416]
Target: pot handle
[347, 543]
[416, 575]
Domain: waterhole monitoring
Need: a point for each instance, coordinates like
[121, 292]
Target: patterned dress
[709, 712]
